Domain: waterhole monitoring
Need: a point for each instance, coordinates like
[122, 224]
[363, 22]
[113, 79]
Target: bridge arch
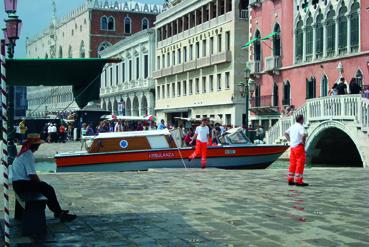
[332, 142]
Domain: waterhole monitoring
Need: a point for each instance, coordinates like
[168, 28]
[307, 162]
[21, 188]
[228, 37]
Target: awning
[249, 43]
[82, 74]
[270, 35]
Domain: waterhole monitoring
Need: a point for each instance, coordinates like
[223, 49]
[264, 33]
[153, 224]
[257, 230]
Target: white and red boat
[143, 150]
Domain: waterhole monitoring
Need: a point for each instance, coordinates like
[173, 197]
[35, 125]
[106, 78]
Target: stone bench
[30, 209]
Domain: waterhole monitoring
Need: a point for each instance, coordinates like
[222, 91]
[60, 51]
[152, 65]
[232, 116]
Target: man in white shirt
[25, 179]
[202, 137]
[296, 135]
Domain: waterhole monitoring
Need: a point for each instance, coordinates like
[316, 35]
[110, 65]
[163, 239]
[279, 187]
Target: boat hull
[229, 157]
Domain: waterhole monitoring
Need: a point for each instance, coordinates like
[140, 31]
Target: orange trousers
[297, 164]
[201, 148]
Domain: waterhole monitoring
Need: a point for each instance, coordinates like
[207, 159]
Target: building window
[179, 84]
[185, 54]
[204, 48]
[211, 83]
[123, 72]
[286, 93]
[204, 84]
[103, 46]
[145, 24]
[158, 63]
[275, 94]
[111, 76]
[179, 56]
[197, 85]
[310, 88]
[137, 68]
[168, 59]
[146, 66]
[257, 98]
[319, 36]
[104, 23]
[163, 91]
[82, 50]
[60, 52]
[229, 6]
[168, 90]
[331, 33]
[127, 25]
[219, 42]
[130, 70]
[309, 39]
[219, 82]
[190, 87]
[277, 41]
[227, 81]
[191, 52]
[173, 90]
[299, 41]
[184, 88]
[158, 92]
[197, 50]
[211, 46]
[163, 61]
[342, 31]
[116, 75]
[111, 23]
[354, 27]
[173, 58]
[257, 46]
[70, 53]
[324, 86]
[228, 40]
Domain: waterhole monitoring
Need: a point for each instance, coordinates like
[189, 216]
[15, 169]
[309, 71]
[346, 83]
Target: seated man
[26, 180]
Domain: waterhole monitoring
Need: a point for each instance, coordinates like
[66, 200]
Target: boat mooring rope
[4, 145]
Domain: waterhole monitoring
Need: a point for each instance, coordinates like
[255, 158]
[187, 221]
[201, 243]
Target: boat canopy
[132, 134]
[125, 118]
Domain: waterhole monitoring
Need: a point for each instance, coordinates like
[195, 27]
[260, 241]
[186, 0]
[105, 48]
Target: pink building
[297, 48]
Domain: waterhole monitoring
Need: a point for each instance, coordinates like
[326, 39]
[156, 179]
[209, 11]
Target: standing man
[202, 137]
[296, 135]
[25, 178]
[162, 126]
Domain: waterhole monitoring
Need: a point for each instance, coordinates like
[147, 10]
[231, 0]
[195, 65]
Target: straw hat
[33, 139]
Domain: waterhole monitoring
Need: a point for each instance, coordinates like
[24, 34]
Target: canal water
[50, 167]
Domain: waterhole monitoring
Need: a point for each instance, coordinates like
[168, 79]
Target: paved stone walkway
[210, 208]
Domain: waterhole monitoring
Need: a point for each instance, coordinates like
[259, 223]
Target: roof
[83, 74]
[132, 134]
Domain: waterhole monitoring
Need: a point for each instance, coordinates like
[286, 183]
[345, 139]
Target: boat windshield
[235, 137]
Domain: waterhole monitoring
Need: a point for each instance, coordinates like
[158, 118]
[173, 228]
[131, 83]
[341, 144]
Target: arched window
[70, 53]
[299, 40]
[275, 94]
[309, 39]
[354, 27]
[257, 46]
[359, 78]
[277, 41]
[286, 93]
[127, 25]
[319, 36]
[82, 50]
[103, 46]
[145, 24]
[331, 33]
[257, 101]
[104, 23]
[342, 30]
[60, 52]
[111, 23]
[324, 86]
[47, 56]
[310, 88]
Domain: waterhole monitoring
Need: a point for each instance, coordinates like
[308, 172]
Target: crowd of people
[53, 133]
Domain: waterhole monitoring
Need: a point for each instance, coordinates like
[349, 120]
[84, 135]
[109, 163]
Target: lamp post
[340, 69]
[11, 34]
[244, 91]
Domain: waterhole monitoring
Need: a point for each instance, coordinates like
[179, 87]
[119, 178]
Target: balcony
[224, 57]
[255, 67]
[263, 105]
[203, 62]
[178, 68]
[272, 64]
[190, 66]
[157, 74]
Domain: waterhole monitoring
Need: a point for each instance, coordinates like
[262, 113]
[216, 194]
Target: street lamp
[244, 91]
[10, 6]
[340, 69]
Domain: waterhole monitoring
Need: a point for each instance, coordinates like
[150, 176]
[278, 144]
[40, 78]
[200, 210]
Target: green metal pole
[247, 107]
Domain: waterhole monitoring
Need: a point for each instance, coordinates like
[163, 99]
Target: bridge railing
[343, 107]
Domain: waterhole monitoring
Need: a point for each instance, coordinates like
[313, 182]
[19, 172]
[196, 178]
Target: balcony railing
[254, 67]
[244, 14]
[272, 63]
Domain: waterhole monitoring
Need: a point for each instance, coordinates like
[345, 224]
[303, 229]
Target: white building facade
[128, 88]
[199, 60]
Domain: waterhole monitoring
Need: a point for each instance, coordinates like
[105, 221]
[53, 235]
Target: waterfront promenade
[210, 208]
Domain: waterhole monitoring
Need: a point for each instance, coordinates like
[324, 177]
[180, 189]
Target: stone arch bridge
[338, 128]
